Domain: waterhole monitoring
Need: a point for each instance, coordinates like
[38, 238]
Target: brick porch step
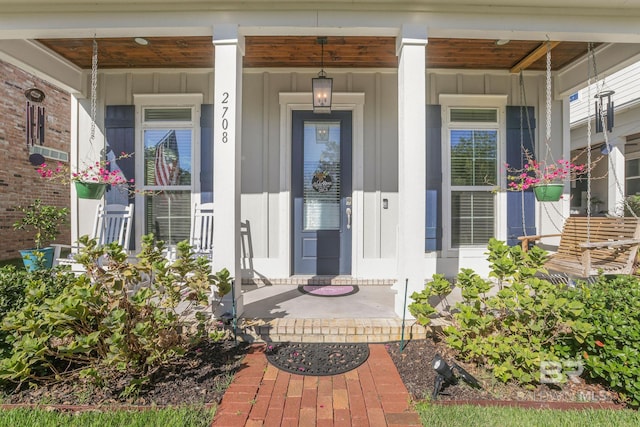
[331, 330]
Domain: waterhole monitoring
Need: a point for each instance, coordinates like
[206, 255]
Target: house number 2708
[225, 120]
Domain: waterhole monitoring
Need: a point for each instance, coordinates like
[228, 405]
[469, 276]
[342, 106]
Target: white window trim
[141, 101]
[472, 101]
[631, 156]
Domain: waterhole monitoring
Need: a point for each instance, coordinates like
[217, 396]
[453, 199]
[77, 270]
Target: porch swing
[591, 245]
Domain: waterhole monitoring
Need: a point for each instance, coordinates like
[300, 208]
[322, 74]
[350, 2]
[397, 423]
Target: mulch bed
[414, 364]
[201, 376]
[198, 378]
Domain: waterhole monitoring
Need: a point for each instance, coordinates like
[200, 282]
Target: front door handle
[348, 218]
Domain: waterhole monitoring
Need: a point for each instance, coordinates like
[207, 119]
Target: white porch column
[227, 125]
[616, 177]
[411, 160]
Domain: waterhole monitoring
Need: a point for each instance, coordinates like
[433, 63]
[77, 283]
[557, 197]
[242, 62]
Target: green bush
[13, 282]
[421, 308]
[517, 321]
[611, 353]
[118, 315]
[631, 205]
[18, 284]
[514, 322]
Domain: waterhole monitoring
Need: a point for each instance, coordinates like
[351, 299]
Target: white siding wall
[261, 157]
[625, 83]
[261, 144]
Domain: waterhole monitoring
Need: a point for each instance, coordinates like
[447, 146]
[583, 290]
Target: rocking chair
[113, 224]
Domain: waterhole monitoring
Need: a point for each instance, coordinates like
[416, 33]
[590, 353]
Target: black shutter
[433, 211]
[520, 205]
[120, 128]
[206, 153]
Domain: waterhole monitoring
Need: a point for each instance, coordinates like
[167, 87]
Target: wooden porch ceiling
[304, 52]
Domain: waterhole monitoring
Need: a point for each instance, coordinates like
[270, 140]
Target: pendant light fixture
[322, 85]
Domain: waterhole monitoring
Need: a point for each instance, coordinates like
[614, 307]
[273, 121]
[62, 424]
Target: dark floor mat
[319, 359]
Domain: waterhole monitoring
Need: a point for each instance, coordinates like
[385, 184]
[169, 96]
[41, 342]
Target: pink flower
[533, 173]
[97, 172]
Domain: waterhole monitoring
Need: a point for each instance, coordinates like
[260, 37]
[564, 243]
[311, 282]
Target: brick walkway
[372, 395]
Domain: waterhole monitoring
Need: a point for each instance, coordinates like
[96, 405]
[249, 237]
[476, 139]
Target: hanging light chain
[94, 88]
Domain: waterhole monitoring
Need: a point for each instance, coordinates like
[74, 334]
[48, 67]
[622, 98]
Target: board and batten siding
[261, 157]
[261, 183]
[625, 83]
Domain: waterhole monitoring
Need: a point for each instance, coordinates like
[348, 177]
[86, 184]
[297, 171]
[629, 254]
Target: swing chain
[94, 88]
[612, 168]
[523, 151]
[548, 91]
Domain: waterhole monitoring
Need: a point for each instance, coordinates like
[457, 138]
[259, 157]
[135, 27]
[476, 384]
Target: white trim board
[290, 101]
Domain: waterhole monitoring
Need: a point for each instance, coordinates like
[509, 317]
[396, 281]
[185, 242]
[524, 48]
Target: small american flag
[167, 169]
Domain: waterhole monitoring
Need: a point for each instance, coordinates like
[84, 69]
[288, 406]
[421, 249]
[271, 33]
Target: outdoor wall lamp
[322, 85]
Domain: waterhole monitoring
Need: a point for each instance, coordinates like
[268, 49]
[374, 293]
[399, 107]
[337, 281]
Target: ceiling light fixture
[502, 42]
[322, 86]
[141, 41]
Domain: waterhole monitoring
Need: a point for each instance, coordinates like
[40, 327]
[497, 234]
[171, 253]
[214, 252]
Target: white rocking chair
[201, 236]
[113, 224]
[201, 233]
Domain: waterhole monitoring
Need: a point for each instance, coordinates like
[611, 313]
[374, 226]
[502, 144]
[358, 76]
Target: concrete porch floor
[286, 301]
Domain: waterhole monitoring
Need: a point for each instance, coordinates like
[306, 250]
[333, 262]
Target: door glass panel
[321, 175]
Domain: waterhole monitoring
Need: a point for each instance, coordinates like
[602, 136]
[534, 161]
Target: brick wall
[20, 184]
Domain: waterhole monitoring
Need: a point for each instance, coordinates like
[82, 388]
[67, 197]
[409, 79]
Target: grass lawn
[472, 416]
[180, 417]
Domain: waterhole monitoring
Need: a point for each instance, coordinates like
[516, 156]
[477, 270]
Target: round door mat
[328, 290]
[318, 359]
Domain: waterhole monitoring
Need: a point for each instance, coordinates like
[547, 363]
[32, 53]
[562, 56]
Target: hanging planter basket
[90, 190]
[548, 192]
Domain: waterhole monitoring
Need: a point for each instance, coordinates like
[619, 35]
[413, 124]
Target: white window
[167, 165]
[472, 154]
[632, 175]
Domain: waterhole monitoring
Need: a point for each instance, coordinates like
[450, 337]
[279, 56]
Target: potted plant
[90, 181]
[45, 221]
[546, 179]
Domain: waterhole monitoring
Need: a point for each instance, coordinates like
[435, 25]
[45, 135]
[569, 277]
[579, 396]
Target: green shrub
[631, 205]
[514, 322]
[421, 308]
[118, 315]
[517, 321]
[18, 284]
[611, 353]
[43, 220]
[13, 282]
